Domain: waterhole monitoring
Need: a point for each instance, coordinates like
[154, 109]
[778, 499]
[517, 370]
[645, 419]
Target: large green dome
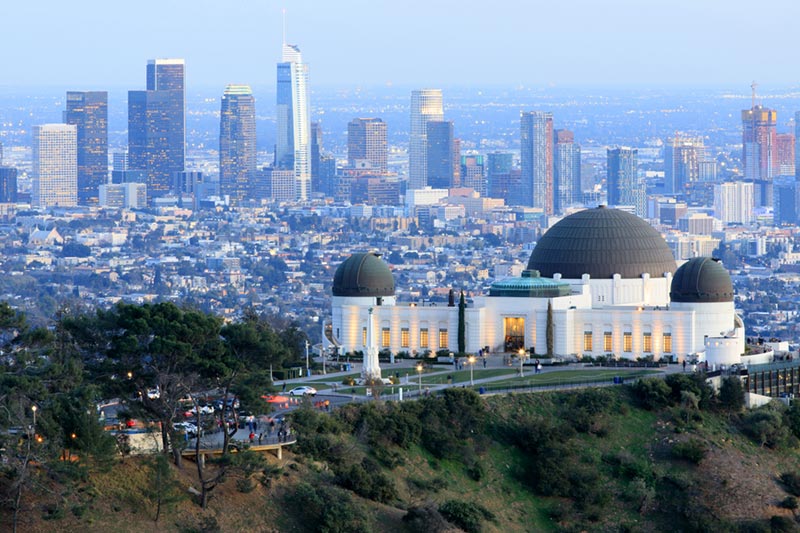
[701, 280]
[602, 242]
[363, 274]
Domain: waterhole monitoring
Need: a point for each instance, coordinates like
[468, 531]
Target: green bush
[731, 394]
[692, 450]
[432, 485]
[791, 483]
[766, 427]
[367, 480]
[426, 519]
[652, 393]
[789, 502]
[325, 509]
[782, 524]
[467, 516]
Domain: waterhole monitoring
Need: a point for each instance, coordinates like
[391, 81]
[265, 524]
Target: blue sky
[94, 44]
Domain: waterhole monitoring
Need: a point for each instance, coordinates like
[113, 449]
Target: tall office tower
[8, 185]
[797, 146]
[55, 165]
[498, 175]
[536, 151]
[734, 201]
[157, 125]
[88, 111]
[682, 158]
[566, 171]
[622, 180]
[426, 106]
[119, 161]
[784, 199]
[758, 143]
[316, 155]
[237, 143]
[366, 141]
[440, 154]
[784, 143]
[293, 146]
[473, 173]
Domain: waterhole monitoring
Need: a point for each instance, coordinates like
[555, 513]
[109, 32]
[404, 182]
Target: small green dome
[529, 285]
[363, 274]
[701, 280]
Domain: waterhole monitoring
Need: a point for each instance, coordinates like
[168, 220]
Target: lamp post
[419, 373]
[307, 370]
[522, 356]
[471, 367]
[34, 409]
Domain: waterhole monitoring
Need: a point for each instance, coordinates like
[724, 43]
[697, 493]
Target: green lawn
[554, 377]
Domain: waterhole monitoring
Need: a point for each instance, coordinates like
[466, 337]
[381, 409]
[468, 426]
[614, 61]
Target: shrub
[692, 450]
[426, 519]
[328, 510]
[651, 393]
[782, 524]
[791, 483]
[467, 516]
[789, 502]
[368, 481]
[766, 427]
[433, 485]
[731, 394]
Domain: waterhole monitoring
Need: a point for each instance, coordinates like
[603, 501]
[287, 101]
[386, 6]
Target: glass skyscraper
[440, 153]
[293, 136]
[536, 152]
[157, 126]
[88, 112]
[622, 179]
[426, 106]
[366, 141]
[566, 171]
[237, 143]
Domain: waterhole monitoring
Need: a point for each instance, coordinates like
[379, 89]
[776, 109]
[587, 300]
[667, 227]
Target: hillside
[655, 456]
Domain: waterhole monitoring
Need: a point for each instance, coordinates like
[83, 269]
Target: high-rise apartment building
[55, 166]
[734, 201]
[500, 166]
[784, 150]
[157, 125]
[293, 136]
[316, 156]
[536, 152]
[366, 142]
[622, 179]
[566, 171]
[237, 143]
[758, 143]
[440, 153]
[682, 158]
[426, 106]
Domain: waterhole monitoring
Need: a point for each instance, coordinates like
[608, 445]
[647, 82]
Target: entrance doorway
[514, 333]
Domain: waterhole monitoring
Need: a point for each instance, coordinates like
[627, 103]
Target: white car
[187, 427]
[204, 410]
[303, 391]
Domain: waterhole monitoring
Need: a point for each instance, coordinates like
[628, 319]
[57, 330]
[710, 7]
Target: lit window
[667, 342]
[423, 338]
[587, 341]
[648, 343]
[385, 337]
[608, 345]
[404, 338]
[443, 339]
[363, 336]
[627, 342]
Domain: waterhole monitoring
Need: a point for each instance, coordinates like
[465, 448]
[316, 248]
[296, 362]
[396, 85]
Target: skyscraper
[536, 151]
[566, 171]
[293, 136]
[8, 185]
[426, 106]
[237, 143]
[758, 143]
[440, 154]
[784, 154]
[622, 179]
[55, 165]
[316, 155]
[88, 111]
[366, 141]
[734, 201]
[473, 173]
[157, 126]
[682, 158]
[499, 176]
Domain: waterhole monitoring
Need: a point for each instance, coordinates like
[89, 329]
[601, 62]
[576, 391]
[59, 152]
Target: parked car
[303, 390]
[204, 410]
[187, 427]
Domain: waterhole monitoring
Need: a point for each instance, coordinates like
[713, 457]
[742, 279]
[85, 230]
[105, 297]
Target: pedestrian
[284, 387]
[271, 425]
[252, 437]
[255, 425]
[327, 405]
[684, 365]
[538, 368]
[484, 362]
[260, 436]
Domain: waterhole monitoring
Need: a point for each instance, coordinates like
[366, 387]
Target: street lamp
[419, 373]
[522, 356]
[34, 409]
[471, 367]
[308, 373]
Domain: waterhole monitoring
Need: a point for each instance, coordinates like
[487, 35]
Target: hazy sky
[94, 44]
